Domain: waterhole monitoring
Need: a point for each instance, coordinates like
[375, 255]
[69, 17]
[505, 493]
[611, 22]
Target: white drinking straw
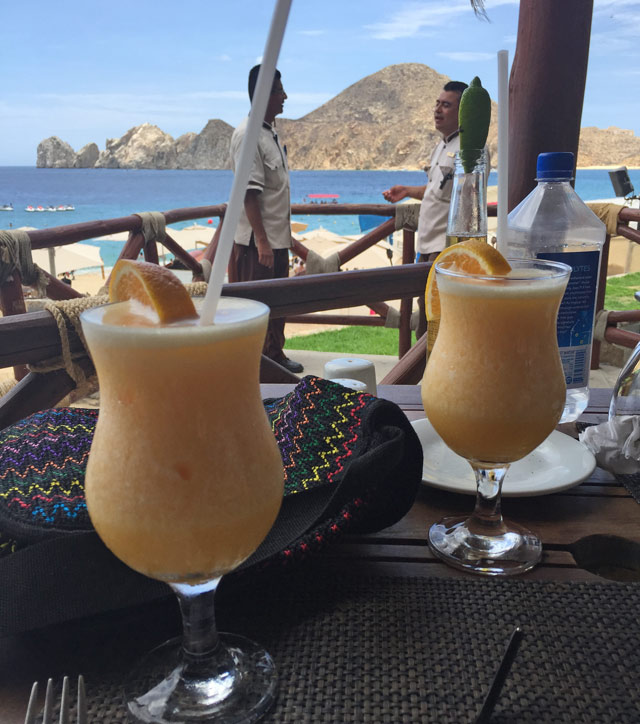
[503, 149]
[247, 156]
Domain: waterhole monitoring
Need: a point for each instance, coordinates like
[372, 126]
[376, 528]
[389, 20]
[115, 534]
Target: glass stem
[203, 655]
[487, 516]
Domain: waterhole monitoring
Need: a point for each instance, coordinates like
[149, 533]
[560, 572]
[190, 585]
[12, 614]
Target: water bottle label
[575, 365]
[575, 317]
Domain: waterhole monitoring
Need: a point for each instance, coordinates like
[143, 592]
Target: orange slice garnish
[473, 256]
[153, 286]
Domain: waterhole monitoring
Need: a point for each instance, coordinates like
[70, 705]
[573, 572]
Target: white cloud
[616, 26]
[468, 56]
[422, 18]
[312, 32]
[224, 58]
[600, 6]
[414, 19]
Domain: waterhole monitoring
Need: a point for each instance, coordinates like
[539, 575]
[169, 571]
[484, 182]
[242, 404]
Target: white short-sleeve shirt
[434, 208]
[270, 176]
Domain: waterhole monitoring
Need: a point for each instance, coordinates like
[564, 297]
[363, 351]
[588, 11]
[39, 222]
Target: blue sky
[87, 71]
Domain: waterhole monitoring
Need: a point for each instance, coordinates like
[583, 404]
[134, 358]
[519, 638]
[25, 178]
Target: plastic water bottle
[552, 222]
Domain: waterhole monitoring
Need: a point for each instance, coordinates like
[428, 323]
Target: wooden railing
[33, 337]
[28, 338]
[12, 301]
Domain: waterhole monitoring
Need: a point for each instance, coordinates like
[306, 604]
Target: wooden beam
[272, 372]
[37, 392]
[344, 320]
[546, 89]
[12, 302]
[367, 241]
[409, 369]
[406, 305]
[62, 235]
[33, 337]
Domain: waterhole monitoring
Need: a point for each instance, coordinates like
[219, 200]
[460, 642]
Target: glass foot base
[241, 692]
[513, 551]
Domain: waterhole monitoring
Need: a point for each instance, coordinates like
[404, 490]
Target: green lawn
[380, 340]
[619, 294]
[349, 340]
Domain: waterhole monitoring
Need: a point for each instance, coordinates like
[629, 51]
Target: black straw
[500, 676]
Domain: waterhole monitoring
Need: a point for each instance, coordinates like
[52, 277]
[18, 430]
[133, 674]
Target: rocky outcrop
[384, 121]
[54, 153]
[144, 146]
[207, 149]
[87, 156]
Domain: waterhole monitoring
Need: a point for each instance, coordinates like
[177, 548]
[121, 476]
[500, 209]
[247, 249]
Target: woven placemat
[399, 650]
[631, 483]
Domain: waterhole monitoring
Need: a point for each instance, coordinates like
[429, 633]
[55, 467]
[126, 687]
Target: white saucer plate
[560, 462]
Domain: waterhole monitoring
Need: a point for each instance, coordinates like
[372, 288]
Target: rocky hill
[609, 146]
[383, 121]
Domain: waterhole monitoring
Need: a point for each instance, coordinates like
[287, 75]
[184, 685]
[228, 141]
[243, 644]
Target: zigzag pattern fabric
[317, 428]
[43, 457]
[42, 465]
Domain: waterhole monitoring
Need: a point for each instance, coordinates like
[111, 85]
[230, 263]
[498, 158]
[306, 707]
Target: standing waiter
[263, 235]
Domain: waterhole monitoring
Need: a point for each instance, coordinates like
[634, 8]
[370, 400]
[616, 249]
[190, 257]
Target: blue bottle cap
[557, 165]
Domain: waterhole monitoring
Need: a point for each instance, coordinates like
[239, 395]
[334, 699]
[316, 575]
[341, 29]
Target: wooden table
[599, 505]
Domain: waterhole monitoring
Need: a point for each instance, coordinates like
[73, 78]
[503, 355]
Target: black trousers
[249, 269]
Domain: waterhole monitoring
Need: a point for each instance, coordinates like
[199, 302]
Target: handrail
[33, 337]
[11, 294]
[71, 233]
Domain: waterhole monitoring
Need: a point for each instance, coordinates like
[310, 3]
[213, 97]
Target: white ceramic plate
[559, 463]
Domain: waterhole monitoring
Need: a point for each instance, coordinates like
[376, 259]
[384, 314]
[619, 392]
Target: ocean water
[112, 193]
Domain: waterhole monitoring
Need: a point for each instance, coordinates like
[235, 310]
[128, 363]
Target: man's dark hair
[253, 79]
[455, 85]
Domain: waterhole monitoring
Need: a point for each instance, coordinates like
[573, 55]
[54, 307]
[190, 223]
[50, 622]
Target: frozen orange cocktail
[493, 388]
[184, 480]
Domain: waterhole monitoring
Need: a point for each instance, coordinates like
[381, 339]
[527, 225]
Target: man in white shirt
[263, 235]
[436, 194]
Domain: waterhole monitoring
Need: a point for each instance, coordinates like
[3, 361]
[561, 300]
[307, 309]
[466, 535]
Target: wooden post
[602, 288]
[12, 302]
[150, 250]
[546, 89]
[406, 305]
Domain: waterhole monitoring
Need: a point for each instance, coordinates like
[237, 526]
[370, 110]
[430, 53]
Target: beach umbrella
[67, 258]
[195, 227]
[323, 235]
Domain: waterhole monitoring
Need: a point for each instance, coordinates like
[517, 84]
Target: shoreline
[607, 167]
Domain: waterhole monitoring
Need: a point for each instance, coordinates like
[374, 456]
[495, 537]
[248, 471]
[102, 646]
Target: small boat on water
[6, 207]
[321, 199]
[61, 207]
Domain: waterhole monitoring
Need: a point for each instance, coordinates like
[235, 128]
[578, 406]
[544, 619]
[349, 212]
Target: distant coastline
[367, 126]
[607, 167]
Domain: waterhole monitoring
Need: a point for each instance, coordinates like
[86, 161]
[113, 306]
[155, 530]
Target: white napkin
[615, 444]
